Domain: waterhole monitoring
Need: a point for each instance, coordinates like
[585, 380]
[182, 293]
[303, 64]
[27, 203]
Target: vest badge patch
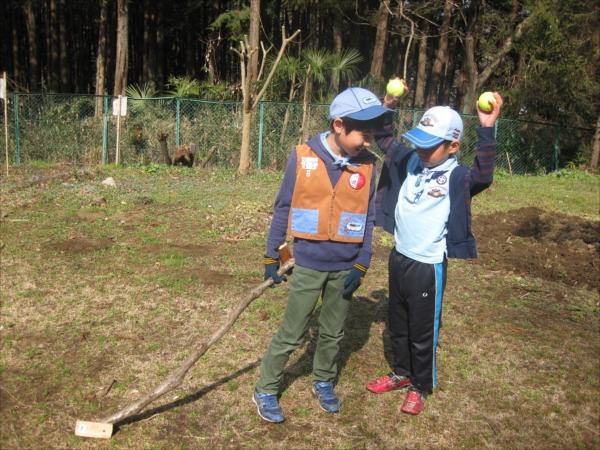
[436, 193]
[357, 181]
[310, 163]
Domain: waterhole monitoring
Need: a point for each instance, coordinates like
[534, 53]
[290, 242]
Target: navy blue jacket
[324, 256]
[464, 184]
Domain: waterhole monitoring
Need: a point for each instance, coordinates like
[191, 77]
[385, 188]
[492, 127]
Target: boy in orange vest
[327, 203]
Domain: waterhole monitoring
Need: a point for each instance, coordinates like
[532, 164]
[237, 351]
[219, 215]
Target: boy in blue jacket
[327, 203]
[424, 199]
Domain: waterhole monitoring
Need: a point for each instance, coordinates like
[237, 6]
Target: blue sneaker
[328, 401]
[268, 407]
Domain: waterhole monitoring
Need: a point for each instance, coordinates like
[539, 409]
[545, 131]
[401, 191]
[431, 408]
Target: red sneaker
[388, 382]
[414, 403]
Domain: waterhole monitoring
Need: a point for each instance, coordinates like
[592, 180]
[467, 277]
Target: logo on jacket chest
[310, 163]
[357, 181]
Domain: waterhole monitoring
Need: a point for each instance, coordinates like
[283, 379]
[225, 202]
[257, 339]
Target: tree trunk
[380, 38]
[146, 37]
[338, 26]
[53, 66]
[245, 151]
[450, 69]
[15, 47]
[436, 71]
[250, 101]
[111, 46]
[34, 76]
[312, 11]
[596, 150]
[421, 68]
[151, 76]
[65, 82]
[338, 31]
[462, 83]
[468, 101]
[100, 59]
[254, 36]
[122, 48]
[303, 131]
[160, 54]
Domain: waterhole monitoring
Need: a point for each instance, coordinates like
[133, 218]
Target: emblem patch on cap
[426, 122]
[357, 181]
[368, 100]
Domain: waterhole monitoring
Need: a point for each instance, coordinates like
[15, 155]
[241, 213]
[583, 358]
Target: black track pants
[415, 313]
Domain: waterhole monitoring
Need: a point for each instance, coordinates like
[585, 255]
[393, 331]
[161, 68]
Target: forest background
[541, 55]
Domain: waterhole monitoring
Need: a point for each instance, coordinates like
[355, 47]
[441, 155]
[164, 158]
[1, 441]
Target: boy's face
[353, 142]
[433, 157]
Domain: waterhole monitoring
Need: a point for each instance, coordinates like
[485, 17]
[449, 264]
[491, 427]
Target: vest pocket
[352, 225]
[305, 221]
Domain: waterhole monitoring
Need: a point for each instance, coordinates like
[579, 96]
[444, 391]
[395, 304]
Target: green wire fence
[82, 129]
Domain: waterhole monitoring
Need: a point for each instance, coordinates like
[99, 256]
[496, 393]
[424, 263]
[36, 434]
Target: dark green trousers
[306, 285]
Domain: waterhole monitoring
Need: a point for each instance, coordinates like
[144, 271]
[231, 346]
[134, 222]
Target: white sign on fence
[2, 88]
[123, 106]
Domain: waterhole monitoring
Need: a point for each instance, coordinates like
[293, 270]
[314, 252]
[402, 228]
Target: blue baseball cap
[356, 103]
[438, 124]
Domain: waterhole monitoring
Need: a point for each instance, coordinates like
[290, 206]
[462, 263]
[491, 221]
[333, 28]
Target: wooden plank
[93, 429]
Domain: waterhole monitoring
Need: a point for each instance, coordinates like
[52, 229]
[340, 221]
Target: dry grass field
[105, 290]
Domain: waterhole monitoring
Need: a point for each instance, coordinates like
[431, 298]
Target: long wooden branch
[176, 378]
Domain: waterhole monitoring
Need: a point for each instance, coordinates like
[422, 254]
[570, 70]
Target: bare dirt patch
[91, 215]
[80, 245]
[549, 245]
[184, 249]
[211, 277]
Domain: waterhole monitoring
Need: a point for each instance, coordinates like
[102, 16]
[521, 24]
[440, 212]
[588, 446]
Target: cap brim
[421, 139]
[369, 113]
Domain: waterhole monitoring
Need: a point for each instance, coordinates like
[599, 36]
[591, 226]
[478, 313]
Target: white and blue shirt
[423, 210]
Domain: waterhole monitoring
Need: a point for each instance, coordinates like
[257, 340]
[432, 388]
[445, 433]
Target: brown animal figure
[184, 154]
[162, 138]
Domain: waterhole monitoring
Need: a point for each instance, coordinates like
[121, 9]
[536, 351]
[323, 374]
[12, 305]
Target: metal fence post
[178, 119]
[260, 133]
[17, 141]
[105, 134]
[556, 148]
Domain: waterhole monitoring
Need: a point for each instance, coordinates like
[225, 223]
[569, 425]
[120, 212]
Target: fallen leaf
[90, 397]
[516, 330]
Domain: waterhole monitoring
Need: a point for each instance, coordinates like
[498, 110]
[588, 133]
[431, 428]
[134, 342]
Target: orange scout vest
[320, 212]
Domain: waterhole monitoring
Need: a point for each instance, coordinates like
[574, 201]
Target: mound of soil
[548, 245]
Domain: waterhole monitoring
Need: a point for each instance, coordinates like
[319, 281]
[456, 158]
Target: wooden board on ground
[93, 429]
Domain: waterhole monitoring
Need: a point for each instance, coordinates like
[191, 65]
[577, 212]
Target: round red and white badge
[357, 181]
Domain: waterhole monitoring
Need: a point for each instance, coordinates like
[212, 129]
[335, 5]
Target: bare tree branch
[176, 378]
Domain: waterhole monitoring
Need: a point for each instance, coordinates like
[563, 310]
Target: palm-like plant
[215, 91]
[183, 87]
[138, 96]
[344, 66]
